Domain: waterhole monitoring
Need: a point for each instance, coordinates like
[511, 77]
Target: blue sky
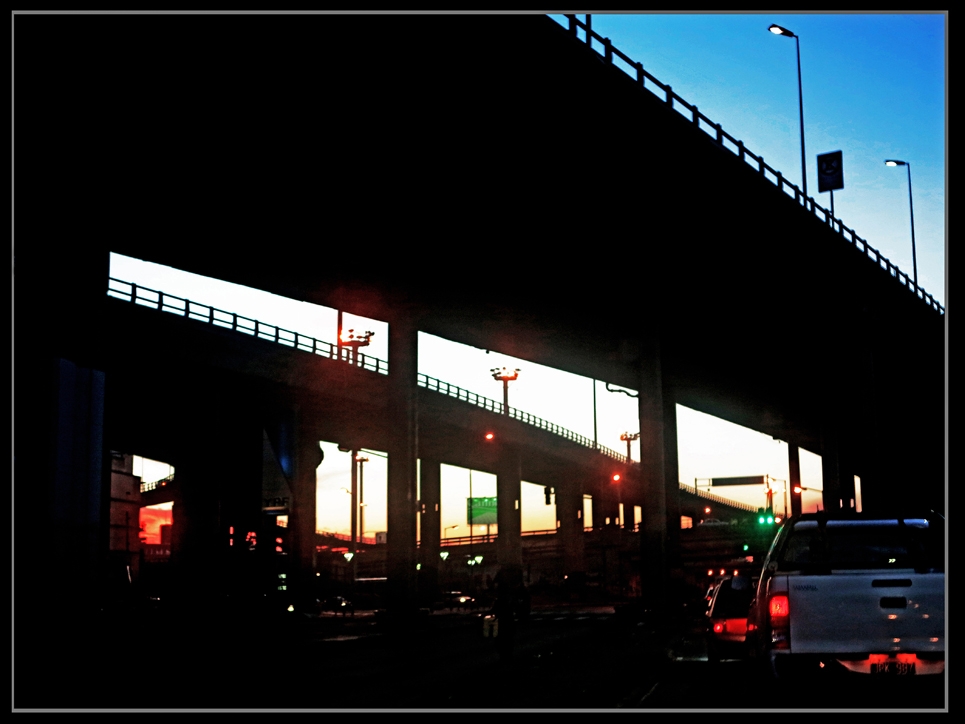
[874, 87]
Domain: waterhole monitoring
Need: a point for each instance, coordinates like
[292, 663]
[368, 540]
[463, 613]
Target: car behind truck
[852, 594]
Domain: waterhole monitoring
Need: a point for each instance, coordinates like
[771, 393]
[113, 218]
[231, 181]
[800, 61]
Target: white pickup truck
[852, 594]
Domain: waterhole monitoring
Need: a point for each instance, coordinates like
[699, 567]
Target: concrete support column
[196, 521]
[794, 477]
[218, 479]
[831, 471]
[672, 478]
[569, 510]
[430, 478]
[301, 521]
[846, 459]
[654, 482]
[402, 448]
[79, 499]
[509, 549]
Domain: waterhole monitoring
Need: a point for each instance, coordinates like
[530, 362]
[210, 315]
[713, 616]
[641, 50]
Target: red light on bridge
[616, 477]
[490, 436]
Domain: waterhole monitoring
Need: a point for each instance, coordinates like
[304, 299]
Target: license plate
[893, 668]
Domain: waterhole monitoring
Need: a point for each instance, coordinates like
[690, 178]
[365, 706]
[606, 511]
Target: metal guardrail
[363, 540]
[714, 131]
[689, 489]
[431, 383]
[155, 484]
[163, 302]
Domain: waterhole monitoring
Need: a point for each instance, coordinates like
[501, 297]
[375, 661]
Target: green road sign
[481, 511]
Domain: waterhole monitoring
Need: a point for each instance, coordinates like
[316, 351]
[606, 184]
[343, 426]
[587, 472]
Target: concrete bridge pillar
[658, 475]
[794, 477]
[672, 483]
[302, 518]
[218, 483]
[569, 510]
[509, 549]
[430, 476]
[834, 467]
[402, 448]
[76, 499]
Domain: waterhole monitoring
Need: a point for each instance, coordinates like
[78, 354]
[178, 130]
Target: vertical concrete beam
[672, 479]
[218, 468]
[846, 459]
[509, 549]
[654, 480]
[831, 472]
[794, 477]
[80, 492]
[308, 456]
[402, 450]
[430, 477]
[569, 510]
[196, 519]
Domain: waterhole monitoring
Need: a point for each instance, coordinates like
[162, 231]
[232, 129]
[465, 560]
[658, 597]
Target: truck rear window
[816, 547]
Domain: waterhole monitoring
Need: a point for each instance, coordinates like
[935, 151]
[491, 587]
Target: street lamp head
[894, 162]
[778, 30]
[503, 374]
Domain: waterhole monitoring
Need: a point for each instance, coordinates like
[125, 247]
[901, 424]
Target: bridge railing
[716, 498]
[431, 383]
[725, 140]
[155, 484]
[164, 302]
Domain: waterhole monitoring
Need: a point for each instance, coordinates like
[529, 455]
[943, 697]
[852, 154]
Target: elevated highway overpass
[435, 172]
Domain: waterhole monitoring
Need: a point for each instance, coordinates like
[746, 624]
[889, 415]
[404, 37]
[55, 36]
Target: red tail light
[780, 615]
[778, 606]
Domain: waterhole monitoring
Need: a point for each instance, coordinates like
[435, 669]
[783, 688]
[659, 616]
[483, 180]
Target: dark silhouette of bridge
[437, 173]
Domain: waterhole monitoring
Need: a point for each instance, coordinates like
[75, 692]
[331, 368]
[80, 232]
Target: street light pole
[911, 209]
[505, 376]
[629, 439]
[778, 30]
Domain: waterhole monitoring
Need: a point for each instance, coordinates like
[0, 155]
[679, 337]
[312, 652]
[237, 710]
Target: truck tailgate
[867, 612]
